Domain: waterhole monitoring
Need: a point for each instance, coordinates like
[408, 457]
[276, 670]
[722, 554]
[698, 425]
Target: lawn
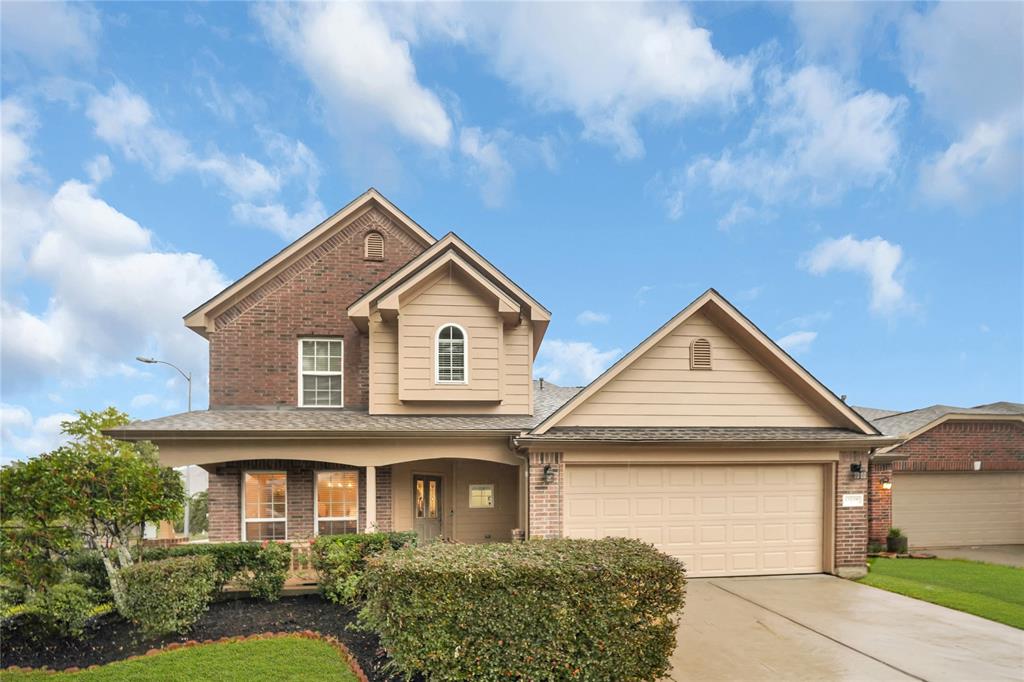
[987, 590]
[280, 658]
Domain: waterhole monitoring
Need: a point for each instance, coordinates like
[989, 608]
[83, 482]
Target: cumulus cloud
[840, 31]
[591, 317]
[875, 258]
[572, 362]
[24, 435]
[798, 342]
[488, 163]
[50, 34]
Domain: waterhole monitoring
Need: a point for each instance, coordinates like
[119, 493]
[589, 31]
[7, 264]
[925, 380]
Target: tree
[95, 486]
[199, 522]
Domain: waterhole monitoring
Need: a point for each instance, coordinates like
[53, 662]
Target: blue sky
[848, 174]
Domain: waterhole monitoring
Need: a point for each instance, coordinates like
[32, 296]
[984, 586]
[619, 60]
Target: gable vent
[374, 246]
[700, 354]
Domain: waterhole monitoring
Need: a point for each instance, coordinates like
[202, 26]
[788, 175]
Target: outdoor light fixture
[549, 473]
[188, 375]
[857, 471]
[886, 484]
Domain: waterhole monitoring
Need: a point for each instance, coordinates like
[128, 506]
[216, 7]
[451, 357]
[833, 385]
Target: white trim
[465, 355]
[316, 499]
[340, 373]
[246, 519]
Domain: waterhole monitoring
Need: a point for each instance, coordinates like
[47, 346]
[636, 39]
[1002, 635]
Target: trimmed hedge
[340, 560]
[169, 595]
[259, 568]
[62, 610]
[546, 609]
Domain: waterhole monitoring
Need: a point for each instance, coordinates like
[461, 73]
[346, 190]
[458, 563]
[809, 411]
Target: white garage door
[720, 520]
[942, 510]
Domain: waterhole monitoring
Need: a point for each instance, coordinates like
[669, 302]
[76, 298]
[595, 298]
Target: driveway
[1009, 555]
[820, 627]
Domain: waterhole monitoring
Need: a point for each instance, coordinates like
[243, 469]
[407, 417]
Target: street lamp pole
[188, 469]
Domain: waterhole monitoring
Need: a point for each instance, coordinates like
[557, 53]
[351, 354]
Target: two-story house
[370, 376]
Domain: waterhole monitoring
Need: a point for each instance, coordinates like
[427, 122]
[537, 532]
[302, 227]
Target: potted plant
[896, 541]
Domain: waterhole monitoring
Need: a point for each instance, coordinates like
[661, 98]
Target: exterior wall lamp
[549, 474]
[886, 483]
[857, 471]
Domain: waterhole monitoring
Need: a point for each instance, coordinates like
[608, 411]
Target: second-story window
[320, 373]
[451, 354]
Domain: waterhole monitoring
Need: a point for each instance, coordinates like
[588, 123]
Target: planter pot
[897, 545]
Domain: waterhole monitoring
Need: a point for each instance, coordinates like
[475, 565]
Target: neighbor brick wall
[546, 498]
[951, 446]
[225, 492]
[851, 529]
[254, 349]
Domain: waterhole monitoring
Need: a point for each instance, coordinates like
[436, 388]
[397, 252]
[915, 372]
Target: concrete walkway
[824, 628]
[1008, 555]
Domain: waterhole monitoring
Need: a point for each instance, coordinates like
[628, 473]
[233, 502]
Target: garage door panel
[936, 510]
[719, 520]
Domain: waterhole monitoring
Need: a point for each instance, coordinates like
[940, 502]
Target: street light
[188, 376]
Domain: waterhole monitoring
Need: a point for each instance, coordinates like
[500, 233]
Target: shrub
[266, 575]
[62, 610]
[546, 609]
[169, 595]
[895, 533]
[229, 558]
[86, 568]
[340, 560]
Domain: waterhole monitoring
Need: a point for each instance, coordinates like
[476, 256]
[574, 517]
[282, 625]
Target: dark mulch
[110, 638]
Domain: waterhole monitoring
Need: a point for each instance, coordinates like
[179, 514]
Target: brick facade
[254, 349]
[851, 528]
[546, 495]
[225, 496]
[949, 447]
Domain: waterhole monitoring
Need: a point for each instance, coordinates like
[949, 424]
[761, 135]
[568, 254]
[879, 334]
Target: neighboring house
[370, 376]
[956, 477]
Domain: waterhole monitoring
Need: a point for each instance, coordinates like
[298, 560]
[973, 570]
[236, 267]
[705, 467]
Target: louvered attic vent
[374, 246]
[700, 354]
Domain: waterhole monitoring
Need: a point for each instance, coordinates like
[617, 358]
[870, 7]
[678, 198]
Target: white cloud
[591, 317]
[820, 137]
[875, 258]
[276, 218]
[572, 362]
[840, 31]
[24, 435]
[987, 157]
[50, 33]
[798, 342]
[488, 163]
[144, 400]
[359, 66]
[99, 169]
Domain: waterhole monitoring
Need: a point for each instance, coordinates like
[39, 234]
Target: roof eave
[869, 441]
[303, 434]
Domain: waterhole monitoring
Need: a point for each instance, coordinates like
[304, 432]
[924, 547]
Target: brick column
[546, 496]
[224, 502]
[879, 502]
[851, 531]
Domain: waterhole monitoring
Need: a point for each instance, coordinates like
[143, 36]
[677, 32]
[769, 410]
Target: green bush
[86, 568]
[62, 610]
[169, 595]
[230, 559]
[340, 560]
[266, 575]
[546, 609]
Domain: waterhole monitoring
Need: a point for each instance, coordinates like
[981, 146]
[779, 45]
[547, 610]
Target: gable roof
[201, 319]
[724, 314]
[912, 423]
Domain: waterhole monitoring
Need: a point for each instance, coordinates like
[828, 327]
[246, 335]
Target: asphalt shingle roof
[903, 423]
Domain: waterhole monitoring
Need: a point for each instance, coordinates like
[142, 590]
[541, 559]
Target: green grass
[281, 658]
[987, 590]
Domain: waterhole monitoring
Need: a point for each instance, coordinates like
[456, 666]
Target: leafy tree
[94, 487]
[198, 521]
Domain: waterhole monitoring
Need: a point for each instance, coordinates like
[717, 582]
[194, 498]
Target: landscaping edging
[334, 642]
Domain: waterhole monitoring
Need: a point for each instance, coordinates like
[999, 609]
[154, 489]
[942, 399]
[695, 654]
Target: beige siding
[459, 521]
[660, 389]
[402, 355]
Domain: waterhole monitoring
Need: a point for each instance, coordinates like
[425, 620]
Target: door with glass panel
[426, 507]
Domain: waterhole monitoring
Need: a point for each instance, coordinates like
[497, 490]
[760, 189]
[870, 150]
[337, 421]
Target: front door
[426, 505]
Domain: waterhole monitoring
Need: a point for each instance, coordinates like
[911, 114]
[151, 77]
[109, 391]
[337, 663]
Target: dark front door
[426, 507]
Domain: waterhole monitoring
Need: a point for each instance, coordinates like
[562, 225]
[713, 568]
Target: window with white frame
[337, 502]
[320, 379]
[451, 354]
[265, 505]
[481, 496]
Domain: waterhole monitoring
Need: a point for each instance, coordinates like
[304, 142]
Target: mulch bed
[110, 638]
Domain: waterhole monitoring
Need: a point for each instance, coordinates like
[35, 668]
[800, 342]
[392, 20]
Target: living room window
[451, 354]
[320, 374]
[337, 502]
[265, 506]
[481, 496]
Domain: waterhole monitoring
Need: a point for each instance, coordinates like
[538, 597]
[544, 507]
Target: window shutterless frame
[316, 500]
[437, 356]
[481, 496]
[246, 520]
[340, 373]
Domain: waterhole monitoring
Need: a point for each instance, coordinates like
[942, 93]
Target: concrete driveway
[1009, 555]
[824, 628]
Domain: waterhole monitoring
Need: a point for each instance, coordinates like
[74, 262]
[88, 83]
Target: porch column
[371, 500]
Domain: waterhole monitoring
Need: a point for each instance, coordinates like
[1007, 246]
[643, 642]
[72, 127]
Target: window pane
[266, 495]
[419, 499]
[481, 496]
[337, 494]
[336, 527]
[432, 501]
[258, 531]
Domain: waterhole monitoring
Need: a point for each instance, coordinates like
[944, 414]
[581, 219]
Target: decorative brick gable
[254, 348]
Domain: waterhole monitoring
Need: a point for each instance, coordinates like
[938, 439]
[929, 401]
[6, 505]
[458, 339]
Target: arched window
[451, 354]
[373, 246]
[700, 354]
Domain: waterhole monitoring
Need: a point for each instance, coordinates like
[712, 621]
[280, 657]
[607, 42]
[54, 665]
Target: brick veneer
[546, 497]
[851, 529]
[225, 492]
[254, 349]
[949, 447]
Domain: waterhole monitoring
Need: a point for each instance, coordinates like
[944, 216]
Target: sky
[848, 175]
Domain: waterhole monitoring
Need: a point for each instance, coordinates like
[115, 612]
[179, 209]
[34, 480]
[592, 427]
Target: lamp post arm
[188, 379]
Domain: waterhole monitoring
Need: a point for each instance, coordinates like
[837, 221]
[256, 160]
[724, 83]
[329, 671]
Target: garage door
[941, 510]
[720, 520]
